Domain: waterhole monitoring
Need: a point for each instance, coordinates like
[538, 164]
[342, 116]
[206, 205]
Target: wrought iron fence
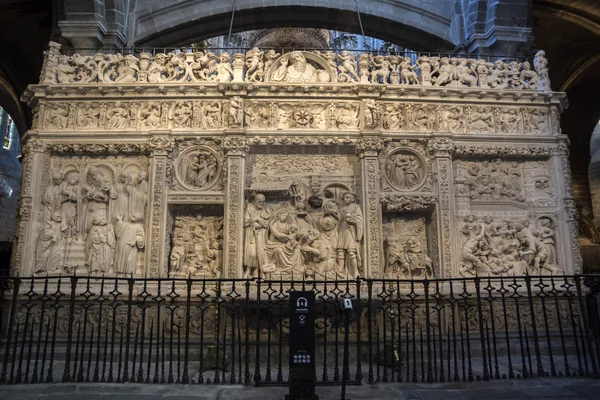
[100, 329]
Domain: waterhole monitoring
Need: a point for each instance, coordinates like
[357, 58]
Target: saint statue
[350, 235]
[256, 222]
[130, 240]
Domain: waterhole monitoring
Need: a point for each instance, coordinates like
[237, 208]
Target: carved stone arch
[183, 164]
[315, 59]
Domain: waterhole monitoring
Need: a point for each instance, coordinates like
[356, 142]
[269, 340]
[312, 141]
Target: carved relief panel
[405, 167]
[196, 244]
[406, 246]
[507, 212]
[94, 216]
[302, 216]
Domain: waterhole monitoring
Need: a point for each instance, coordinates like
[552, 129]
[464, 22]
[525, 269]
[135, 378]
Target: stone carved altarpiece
[303, 164]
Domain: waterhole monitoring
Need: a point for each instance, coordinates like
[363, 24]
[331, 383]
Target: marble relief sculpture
[508, 247]
[298, 164]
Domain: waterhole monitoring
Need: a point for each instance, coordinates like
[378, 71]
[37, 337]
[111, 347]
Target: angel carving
[255, 65]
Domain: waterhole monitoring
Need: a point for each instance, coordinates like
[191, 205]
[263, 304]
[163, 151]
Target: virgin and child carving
[95, 225]
[314, 238]
[404, 170]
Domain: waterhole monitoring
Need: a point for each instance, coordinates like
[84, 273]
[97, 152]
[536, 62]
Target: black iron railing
[100, 329]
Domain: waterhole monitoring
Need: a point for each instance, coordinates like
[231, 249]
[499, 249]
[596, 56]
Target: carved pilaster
[567, 235]
[367, 149]
[155, 264]
[34, 159]
[442, 152]
[235, 148]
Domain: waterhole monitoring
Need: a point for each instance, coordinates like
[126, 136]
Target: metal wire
[231, 23]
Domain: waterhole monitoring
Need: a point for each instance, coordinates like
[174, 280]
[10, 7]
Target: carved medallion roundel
[404, 170]
[198, 168]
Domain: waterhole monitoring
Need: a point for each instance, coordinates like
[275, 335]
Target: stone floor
[538, 389]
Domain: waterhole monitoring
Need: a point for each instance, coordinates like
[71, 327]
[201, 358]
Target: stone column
[567, 227]
[447, 241]
[156, 226]
[236, 148]
[367, 149]
[35, 166]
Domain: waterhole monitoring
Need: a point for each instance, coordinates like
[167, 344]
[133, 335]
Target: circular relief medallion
[198, 168]
[404, 170]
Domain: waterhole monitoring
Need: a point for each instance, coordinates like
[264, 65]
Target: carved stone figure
[509, 121]
[347, 117]
[130, 239]
[403, 171]
[224, 69]
[283, 244]
[57, 117]
[138, 196]
[49, 251]
[393, 117]
[481, 120]
[124, 189]
[541, 66]
[255, 65]
[100, 246]
[407, 72]
[196, 247]
[87, 116]
[347, 67]
[150, 116]
[350, 236]
[181, 115]
[256, 222]
[257, 115]
[98, 192]
[71, 205]
[53, 198]
[117, 116]
[235, 112]
[294, 68]
[371, 114]
[212, 115]
[200, 169]
[417, 262]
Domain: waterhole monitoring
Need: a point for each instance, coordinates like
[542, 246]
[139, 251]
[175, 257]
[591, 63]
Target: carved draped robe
[256, 222]
[350, 234]
[130, 238]
[101, 242]
[138, 198]
[52, 201]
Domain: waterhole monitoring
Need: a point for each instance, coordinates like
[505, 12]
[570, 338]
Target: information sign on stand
[302, 346]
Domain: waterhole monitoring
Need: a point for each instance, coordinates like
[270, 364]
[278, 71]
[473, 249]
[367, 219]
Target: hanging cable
[231, 23]
[361, 25]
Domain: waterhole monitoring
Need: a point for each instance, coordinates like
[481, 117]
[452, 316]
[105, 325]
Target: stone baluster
[367, 149]
[156, 239]
[238, 67]
[236, 148]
